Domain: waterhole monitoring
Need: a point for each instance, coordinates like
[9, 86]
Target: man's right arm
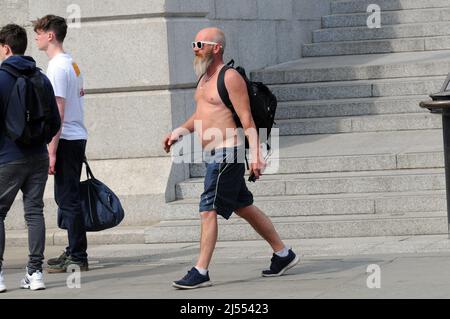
[174, 136]
[53, 145]
[58, 79]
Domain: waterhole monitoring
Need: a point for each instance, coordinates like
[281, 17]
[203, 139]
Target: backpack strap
[200, 78]
[12, 71]
[221, 87]
[17, 74]
[223, 93]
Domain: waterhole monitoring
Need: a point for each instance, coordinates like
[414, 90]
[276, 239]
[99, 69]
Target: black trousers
[69, 163]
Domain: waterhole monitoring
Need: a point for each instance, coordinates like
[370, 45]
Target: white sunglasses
[199, 44]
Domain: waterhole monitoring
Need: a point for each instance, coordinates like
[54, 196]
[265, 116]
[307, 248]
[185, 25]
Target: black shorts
[225, 189]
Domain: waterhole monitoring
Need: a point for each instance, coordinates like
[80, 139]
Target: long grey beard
[201, 65]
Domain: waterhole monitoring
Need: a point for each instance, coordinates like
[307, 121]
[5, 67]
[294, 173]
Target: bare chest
[208, 95]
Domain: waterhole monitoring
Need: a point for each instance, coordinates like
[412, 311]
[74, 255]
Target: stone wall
[267, 32]
[137, 63]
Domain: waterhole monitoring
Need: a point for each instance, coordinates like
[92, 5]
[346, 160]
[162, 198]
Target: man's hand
[52, 162]
[169, 140]
[256, 168]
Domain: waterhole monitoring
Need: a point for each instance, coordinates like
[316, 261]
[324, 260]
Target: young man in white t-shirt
[67, 149]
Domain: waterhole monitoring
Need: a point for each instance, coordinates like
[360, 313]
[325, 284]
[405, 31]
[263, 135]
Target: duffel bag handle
[88, 169]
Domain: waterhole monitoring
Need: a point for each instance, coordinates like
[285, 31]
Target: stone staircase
[358, 156]
[407, 25]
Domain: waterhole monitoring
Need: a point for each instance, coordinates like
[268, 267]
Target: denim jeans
[69, 163]
[30, 176]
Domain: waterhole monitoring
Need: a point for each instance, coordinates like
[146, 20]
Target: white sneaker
[33, 282]
[2, 283]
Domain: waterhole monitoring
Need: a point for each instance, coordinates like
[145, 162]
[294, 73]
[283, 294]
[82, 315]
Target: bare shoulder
[233, 79]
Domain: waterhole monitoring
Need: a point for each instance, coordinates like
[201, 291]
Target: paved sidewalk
[411, 267]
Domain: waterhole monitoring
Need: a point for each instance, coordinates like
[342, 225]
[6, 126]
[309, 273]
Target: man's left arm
[237, 91]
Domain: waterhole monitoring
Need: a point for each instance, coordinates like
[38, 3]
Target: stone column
[136, 59]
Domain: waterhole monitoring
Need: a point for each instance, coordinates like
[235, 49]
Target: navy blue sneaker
[280, 264]
[192, 280]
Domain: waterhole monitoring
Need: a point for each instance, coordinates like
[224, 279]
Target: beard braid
[201, 64]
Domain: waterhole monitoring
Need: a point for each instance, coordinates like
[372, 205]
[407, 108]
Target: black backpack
[263, 102]
[31, 118]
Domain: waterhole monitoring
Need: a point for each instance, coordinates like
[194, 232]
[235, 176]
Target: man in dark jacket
[22, 168]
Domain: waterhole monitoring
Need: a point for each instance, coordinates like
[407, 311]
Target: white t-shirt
[67, 82]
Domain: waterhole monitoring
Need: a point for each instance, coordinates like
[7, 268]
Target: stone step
[355, 6]
[369, 143]
[127, 178]
[236, 229]
[350, 107]
[307, 227]
[140, 210]
[348, 163]
[335, 204]
[353, 152]
[412, 30]
[387, 17]
[354, 124]
[358, 89]
[58, 237]
[398, 180]
[356, 67]
[376, 46]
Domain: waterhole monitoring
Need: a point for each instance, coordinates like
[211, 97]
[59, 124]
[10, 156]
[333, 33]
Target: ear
[217, 48]
[6, 49]
[51, 36]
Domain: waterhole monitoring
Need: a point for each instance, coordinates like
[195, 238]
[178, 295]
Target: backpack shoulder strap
[221, 87]
[15, 74]
[199, 79]
[12, 71]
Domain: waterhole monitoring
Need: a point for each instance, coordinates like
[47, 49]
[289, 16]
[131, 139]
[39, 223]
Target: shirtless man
[225, 190]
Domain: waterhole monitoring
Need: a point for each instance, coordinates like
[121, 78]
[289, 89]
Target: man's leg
[69, 162]
[33, 193]
[283, 257]
[11, 179]
[208, 238]
[262, 225]
[198, 276]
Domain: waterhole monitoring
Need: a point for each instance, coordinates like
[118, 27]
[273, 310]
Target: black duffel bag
[100, 206]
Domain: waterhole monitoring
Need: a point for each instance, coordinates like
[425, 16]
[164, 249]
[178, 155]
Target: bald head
[213, 35]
